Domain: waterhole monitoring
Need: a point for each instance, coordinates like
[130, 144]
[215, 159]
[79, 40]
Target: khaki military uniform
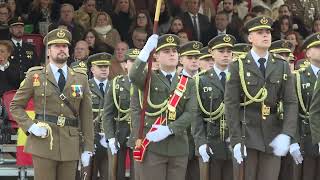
[60, 162]
[100, 157]
[260, 131]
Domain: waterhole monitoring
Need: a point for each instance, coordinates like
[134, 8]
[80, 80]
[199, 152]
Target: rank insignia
[76, 90]
[29, 54]
[36, 80]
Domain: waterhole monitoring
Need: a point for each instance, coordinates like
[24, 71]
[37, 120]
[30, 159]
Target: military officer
[24, 55]
[189, 58]
[210, 132]
[117, 115]
[99, 85]
[309, 131]
[62, 131]
[256, 85]
[164, 152]
[240, 49]
[205, 59]
[283, 48]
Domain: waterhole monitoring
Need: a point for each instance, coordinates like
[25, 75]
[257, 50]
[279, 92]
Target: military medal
[36, 81]
[76, 90]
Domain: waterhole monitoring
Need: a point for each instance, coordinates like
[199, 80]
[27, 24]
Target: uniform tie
[262, 67]
[18, 46]
[61, 81]
[101, 88]
[169, 76]
[223, 78]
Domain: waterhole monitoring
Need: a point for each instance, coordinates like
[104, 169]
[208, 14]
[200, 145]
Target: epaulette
[279, 57]
[35, 68]
[80, 71]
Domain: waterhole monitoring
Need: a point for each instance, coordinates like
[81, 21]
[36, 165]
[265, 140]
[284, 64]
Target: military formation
[234, 111]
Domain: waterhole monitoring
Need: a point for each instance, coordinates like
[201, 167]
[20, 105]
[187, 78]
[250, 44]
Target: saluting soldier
[63, 125]
[189, 58]
[283, 48]
[99, 86]
[256, 85]
[205, 59]
[309, 97]
[210, 130]
[117, 115]
[164, 152]
[240, 49]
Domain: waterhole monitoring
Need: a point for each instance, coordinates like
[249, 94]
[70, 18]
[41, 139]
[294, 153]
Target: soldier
[240, 49]
[310, 92]
[164, 152]
[256, 85]
[99, 85]
[211, 135]
[63, 125]
[117, 116]
[189, 58]
[24, 55]
[206, 61]
[283, 48]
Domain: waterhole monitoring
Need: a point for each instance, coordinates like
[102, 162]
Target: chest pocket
[158, 94]
[95, 99]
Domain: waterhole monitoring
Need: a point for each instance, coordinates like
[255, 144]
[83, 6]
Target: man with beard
[24, 55]
[63, 125]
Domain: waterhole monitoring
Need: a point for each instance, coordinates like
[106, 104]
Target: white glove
[237, 152]
[113, 147]
[280, 145]
[204, 154]
[148, 47]
[295, 153]
[319, 147]
[38, 131]
[159, 134]
[85, 158]
[103, 140]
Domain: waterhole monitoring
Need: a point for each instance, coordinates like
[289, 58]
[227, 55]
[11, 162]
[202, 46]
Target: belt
[273, 110]
[58, 120]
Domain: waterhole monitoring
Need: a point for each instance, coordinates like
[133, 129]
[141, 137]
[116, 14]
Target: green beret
[205, 53]
[132, 54]
[100, 59]
[168, 40]
[257, 23]
[221, 41]
[191, 48]
[311, 41]
[58, 36]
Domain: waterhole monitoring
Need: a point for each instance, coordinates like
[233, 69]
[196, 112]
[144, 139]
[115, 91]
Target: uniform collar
[15, 42]
[98, 82]
[315, 69]
[165, 73]
[55, 72]
[185, 73]
[218, 71]
[256, 57]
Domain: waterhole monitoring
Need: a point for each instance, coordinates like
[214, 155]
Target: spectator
[316, 25]
[176, 25]
[103, 26]
[14, 9]
[7, 73]
[67, 19]
[122, 18]
[142, 21]
[95, 43]
[194, 22]
[24, 55]
[260, 11]
[4, 18]
[285, 26]
[87, 14]
[183, 35]
[296, 40]
[235, 22]
[81, 53]
[165, 18]
[41, 13]
[139, 38]
[118, 57]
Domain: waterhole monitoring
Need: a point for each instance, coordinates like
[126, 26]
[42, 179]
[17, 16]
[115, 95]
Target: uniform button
[248, 83]
[42, 94]
[62, 104]
[61, 114]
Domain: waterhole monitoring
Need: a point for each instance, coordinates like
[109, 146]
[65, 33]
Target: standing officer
[99, 86]
[63, 125]
[164, 152]
[206, 61]
[283, 48]
[210, 131]
[309, 130]
[240, 49]
[256, 85]
[117, 116]
[24, 55]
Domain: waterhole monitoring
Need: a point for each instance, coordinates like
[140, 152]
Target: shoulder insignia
[35, 68]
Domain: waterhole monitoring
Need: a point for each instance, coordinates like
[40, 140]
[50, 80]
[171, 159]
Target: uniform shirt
[15, 42]
[55, 72]
[315, 70]
[165, 74]
[184, 72]
[104, 83]
[218, 71]
[256, 58]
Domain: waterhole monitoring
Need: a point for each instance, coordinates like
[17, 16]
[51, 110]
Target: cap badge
[264, 21]
[170, 39]
[196, 45]
[61, 34]
[227, 39]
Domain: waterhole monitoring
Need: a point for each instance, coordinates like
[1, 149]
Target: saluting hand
[150, 45]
